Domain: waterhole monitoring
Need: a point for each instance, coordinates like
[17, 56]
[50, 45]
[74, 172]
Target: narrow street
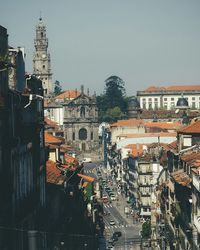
[114, 211]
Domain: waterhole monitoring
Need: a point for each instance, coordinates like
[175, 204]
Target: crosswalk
[89, 171]
[117, 226]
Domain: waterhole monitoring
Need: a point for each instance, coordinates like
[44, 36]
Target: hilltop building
[154, 98]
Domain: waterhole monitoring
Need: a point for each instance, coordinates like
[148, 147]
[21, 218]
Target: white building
[167, 97]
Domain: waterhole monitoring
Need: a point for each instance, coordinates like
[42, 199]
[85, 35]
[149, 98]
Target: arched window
[82, 134]
[73, 136]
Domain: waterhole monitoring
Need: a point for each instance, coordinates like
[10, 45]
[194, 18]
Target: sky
[144, 42]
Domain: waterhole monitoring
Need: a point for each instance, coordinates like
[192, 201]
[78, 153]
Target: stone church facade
[41, 59]
[81, 122]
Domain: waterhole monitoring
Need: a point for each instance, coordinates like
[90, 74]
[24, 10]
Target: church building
[41, 59]
[81, 122]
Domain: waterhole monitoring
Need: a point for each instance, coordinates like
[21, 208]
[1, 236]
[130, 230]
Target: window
[43, 66]
[193, 105]
[165, 105]
[165, 99]
[73, 136]
[187, 141]
[172, 104]
[193, 98]
[82, 134]
[172, 99]
[91, 135]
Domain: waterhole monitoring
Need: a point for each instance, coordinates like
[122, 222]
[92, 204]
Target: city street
[115, 211]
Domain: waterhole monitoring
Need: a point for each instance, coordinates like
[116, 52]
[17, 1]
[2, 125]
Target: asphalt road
[130, 238]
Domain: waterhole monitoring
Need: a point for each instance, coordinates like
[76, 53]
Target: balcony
[197, 222]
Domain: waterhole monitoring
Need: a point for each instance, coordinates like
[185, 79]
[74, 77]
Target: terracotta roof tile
[50, 139]
[54, 174]
[164, 125]
[161, 134]
[136, 149]
[193, 128]
[49, 122]
[173, 88]
[128, 123]
[68, 94]
[86, 177]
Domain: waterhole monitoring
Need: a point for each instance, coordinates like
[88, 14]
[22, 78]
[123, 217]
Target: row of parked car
[108, 191]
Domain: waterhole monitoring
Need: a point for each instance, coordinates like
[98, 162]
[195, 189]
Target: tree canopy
[112, 103]
[57, 87]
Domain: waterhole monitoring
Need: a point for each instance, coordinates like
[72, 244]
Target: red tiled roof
[173, 88]
[86, 177]
[54, 174]
[136, 149]
[164, 125]
[50, 138]
[128, 123]
[193, 128]
[161, 134]
[68, 94]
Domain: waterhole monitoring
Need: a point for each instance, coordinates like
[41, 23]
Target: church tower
[41, 58]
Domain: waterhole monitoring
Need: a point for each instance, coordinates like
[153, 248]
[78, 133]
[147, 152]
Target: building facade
[81, 122]
[154, 98]
[41, 59]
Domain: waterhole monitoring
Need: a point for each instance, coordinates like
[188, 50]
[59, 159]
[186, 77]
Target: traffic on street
[121, 230]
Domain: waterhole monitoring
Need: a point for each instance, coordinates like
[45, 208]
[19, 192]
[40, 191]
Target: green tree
[115, 93]
[57, 87]
[146, 229]
[112, 104]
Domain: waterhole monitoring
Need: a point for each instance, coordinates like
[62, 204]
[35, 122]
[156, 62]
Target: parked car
[111, 242]
[114, 237]
[112, 223]
[113, 198]
[118, 233]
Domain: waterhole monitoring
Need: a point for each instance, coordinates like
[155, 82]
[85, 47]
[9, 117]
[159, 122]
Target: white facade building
[167, 97]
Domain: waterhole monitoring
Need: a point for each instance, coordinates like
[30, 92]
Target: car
[113, 198]
[112, 223]
[111, 242]
[118, 233]
[114, 237]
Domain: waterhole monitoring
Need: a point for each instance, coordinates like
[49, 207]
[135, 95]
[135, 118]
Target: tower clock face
[43, 55]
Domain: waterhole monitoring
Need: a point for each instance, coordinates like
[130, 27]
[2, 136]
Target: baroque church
[41, 58]
[81, 122]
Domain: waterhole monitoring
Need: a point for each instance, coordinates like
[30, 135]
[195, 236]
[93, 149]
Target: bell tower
[41, 58]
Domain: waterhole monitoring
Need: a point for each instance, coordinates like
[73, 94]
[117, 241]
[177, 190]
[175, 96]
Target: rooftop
[173, 88]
